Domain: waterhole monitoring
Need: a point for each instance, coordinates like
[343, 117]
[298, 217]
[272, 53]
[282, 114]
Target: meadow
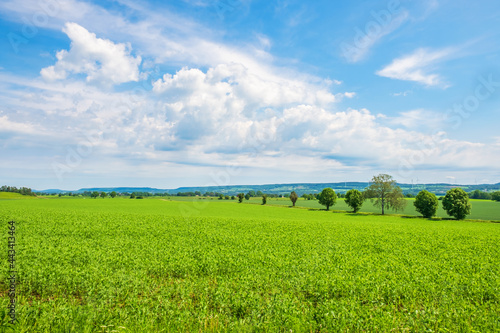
[155, 265]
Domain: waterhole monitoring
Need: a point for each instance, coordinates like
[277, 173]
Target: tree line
[385, 194]
[21, 190]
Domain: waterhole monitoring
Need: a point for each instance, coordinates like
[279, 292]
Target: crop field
[155, 265]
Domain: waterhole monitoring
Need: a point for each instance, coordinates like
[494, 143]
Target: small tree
[104, 194]
[456, 203]
[327, 198]
[247, 196]
[240, 197]
[221, 196]
[264, 199]
[113, 194]
[226, 197]
[94, 194]
[495, 196]
[426, 203]
[132, 196]
[385, 193]
[293, 198]
[354, 199]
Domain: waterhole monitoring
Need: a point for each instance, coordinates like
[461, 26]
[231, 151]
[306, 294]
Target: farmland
[153, 265]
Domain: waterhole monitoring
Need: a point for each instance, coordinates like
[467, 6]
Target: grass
[102, 265]
[13, 196]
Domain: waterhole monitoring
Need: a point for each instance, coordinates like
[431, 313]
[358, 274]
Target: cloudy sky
[217, 92]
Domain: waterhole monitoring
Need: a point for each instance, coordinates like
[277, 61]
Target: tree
[247, 196]
[221, 196]
[495, 196]
[327, 198]
[113, 194]
[264, 199]
[233, 197]
[251, 193]
[456, 203]
[94, 194]
[132, 196]
[103, 194]
[293, 198]
[354, 199]
[426, 203]
[226, 197]
[385, 193]
[259, 193]
[240, 197]
[477, 194]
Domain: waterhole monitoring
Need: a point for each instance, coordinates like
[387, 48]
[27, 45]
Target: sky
[224, 92]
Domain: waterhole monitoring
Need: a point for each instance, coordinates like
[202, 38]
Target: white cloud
[230, 105]
[416, 67]
[420, 118]
[6, 125]
[100, 60]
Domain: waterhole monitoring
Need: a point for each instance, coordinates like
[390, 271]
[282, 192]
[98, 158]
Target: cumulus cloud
[417, 67]
[99, 59]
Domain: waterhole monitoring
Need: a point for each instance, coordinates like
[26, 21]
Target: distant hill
[300, 188]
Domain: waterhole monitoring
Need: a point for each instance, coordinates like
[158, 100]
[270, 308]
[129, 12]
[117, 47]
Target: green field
[10, 196]
[481, 209]
[153, 265]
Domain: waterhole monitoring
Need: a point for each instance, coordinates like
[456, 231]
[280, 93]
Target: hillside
[300, 188]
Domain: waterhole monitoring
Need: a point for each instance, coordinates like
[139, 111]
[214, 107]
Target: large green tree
[293, 198]
[327, 198]
[426, 203]
[354, 199]
[385, 194]
[240, 197]
[456, 203]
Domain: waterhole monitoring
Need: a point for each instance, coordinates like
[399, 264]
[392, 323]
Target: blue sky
[219, 92]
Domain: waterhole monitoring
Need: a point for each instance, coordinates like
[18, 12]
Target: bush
[456, 203]
[264, 199]
[426, 203]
